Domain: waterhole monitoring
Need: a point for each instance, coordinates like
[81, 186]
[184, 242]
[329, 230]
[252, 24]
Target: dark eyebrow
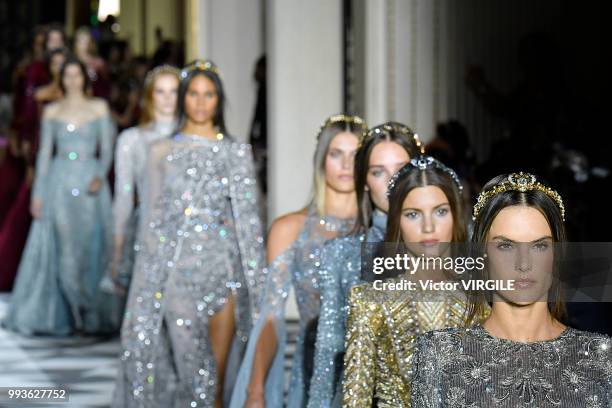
[503, 238]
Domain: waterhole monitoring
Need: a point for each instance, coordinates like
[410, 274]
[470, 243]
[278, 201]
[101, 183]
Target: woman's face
[54, 40]
[82, 42]
[73, 79]
[386, 159]
[339, 162]
[57, 60]
[520, 248]
[426, 220]
[164, 94]
[201, 100]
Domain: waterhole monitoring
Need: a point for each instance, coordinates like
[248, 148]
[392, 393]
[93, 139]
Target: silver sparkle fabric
[469, 368]
[200, 243]
[296, 267]
[340, 270]
[130, 160]
[56, 291]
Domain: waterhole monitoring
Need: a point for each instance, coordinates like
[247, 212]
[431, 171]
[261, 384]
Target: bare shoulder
[284, 231]
[99, 105]
[51, 110]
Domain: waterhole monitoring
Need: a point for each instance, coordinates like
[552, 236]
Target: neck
[339, 204]
[206, 129]
[75, 97]
[522, 323]
[162, 118]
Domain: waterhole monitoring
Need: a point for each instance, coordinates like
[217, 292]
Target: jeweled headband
[389, 127]
[517, 182]
[422, 163]
[160, 69]
[202, 65]
[342, 118]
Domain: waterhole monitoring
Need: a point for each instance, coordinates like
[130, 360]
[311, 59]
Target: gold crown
[201, 65]
[393, 127]
[518, 182]
[160, 69]
[346, 119]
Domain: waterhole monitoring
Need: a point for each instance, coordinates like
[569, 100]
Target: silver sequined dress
[472, 369]
[201, 242]
[130, 160]
[296, 267]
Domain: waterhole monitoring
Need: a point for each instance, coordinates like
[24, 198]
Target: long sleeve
[278, 282]
[105, 139]
[359, 361]
[244, 200]
[43, 159]
[339, 271]
[425, 387]
[125, 181]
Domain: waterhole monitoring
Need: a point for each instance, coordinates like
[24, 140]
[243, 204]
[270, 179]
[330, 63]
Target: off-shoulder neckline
[79, 126]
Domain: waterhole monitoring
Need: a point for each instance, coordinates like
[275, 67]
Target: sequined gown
[200, 242]
[381, 333]
[471, 368]
[130, 160]
[340, 270]
[296, 267]
[64, 259]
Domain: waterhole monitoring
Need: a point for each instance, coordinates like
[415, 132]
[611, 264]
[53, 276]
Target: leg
[222, 328]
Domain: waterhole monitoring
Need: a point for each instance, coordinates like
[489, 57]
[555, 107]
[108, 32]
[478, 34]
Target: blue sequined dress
[56, 291]
[298, 267]
[340, 270]
[200, 242]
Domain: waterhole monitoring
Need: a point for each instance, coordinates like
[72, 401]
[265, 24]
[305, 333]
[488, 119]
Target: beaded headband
[517, 182]
[160, 69]
[393, 127]
[344, 118]
[202, 65]
[422, 163]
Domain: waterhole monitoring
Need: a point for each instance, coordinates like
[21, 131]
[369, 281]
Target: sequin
[382, 328]
[452, 366]
[182, 257]
[339, 271]
[294, 267]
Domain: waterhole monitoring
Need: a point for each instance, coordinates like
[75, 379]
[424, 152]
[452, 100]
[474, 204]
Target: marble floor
[85, 365]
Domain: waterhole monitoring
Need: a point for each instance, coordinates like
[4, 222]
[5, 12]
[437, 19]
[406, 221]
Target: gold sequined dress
[382, 328]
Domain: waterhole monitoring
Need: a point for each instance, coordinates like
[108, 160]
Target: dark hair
[55, 27]
[52, 53]
[431, 176]
[74, 61]
[389, 131]
[187, 75]
[477, 300]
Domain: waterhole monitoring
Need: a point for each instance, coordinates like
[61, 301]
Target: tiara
[389, 127]
[517, 182]
[201, 65]
[422, 163]
[344, 118]
[160, 69]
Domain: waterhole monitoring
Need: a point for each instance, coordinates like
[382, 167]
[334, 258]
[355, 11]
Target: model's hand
[255, 399]
[121, 290]
[36, 207]
[94, 185]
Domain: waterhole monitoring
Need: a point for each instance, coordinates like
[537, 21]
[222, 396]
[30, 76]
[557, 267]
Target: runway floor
[85, 365]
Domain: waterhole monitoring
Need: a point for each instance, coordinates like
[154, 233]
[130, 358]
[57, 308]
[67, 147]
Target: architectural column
[304, 47]
[230, 33]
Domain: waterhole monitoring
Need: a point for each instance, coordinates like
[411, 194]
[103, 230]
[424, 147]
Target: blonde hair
[333, 126]
[148, 108]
